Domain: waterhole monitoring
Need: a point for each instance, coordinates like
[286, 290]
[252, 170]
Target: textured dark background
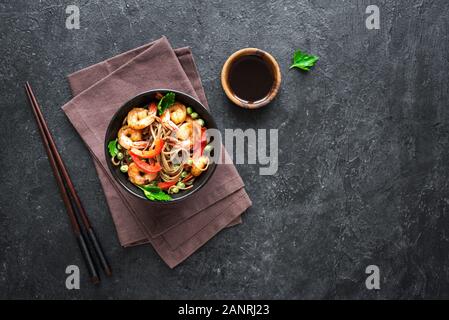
[364, 157]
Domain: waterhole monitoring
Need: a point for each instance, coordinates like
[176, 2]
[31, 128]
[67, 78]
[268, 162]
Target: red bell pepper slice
[158, 146]
[199, 141]
[203, 139]
[189, 177]
[153, 108]
[146, 167]
[166, 185]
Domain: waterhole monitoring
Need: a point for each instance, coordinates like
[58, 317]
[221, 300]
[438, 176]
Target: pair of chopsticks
[70, 197]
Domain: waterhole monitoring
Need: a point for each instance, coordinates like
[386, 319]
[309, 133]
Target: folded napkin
[174, 230]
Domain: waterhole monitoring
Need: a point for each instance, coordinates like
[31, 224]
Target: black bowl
[143, 100]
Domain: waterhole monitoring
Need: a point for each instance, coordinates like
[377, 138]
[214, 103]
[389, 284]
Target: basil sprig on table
[112, 148]
[155, 193]
[303, 60]
[165, 102]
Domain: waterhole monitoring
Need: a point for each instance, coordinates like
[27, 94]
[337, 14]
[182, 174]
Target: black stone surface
[364, 138]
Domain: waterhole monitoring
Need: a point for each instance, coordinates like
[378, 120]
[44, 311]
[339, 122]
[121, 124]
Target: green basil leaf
[303, 60]
[152, 188]
[112, 147]
[162, 196]
[155, 196]
[165, 102]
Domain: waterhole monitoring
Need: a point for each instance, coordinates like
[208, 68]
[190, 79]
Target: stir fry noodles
[160, 147]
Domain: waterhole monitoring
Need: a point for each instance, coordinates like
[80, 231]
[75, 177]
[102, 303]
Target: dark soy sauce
[251, 78]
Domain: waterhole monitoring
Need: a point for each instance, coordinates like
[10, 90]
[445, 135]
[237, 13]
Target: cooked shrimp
[199, 165]
[141, 144]
[139, 118]
[188, 118]
[190, 135]
[178, 112]
[138, 176]
[166, 121]
[127, 136]
[185, 131]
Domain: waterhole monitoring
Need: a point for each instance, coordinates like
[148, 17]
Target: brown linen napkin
[177, 230]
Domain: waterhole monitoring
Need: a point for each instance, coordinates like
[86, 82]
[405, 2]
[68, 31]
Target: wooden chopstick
[62, 176]
[84, 218]
[94, 278]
